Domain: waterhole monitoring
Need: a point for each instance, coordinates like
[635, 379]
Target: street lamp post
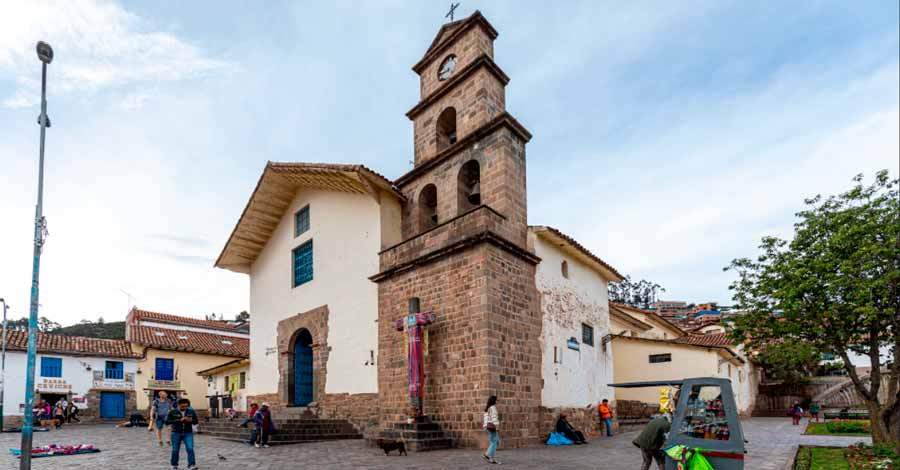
[3, 366]
[45, 54]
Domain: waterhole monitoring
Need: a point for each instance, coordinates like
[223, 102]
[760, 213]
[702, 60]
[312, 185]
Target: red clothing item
[605, 412]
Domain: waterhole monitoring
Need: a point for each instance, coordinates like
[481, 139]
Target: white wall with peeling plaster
[572, 377]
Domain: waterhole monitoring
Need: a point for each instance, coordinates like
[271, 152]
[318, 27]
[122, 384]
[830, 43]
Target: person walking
[492, 426]
[606, 416]
[796, 413]
[159, 411]
[651, 441]
[814, 410]
[182, 419]
[72, 414]
[264, 426]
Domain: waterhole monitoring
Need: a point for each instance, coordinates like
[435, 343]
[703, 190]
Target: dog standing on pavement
[389, 446]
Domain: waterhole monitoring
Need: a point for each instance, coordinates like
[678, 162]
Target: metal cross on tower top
[452, 10]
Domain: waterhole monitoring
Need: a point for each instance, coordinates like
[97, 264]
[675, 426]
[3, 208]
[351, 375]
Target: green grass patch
[855, 428]
[821, 458]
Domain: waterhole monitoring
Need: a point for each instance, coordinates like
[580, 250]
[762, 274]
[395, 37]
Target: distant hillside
[107, 330]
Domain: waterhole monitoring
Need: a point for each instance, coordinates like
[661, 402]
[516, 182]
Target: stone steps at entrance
[419, 436]
[290, 430]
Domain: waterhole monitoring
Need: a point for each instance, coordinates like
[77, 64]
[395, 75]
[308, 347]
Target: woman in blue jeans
[492, 426]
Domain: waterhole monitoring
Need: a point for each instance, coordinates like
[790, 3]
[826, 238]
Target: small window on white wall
[565, 269]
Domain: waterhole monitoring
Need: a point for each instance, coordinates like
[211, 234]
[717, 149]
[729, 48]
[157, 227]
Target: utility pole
[45, 54]
[3, 366]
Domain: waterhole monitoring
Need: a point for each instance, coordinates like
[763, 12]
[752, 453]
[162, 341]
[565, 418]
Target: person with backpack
[492, 425]
[159, 411]
[182, 420]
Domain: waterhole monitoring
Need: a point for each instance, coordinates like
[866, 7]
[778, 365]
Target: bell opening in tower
[446, 128]
[469, 186]
[428, 208]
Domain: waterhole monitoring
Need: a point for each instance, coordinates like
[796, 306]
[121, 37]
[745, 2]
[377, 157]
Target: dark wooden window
[303, 263]
[587, 334]
[301, 221]
[657, 358]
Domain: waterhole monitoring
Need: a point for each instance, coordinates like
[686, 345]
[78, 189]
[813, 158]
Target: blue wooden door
[112, 405]
[303, 374]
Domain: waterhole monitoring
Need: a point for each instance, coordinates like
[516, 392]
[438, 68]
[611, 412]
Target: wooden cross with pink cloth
[417, 339]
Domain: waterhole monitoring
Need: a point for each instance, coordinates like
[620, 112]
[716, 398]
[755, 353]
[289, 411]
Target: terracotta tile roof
[590, 257]
[50, 343]
[138, 315]
[715, 339]
[274, 194]
[189, 341]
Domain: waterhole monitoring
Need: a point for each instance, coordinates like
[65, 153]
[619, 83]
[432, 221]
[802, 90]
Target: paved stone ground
[772, 443]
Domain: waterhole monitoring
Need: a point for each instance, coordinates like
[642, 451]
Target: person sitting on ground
[563, 427]
[137, 419]
[651, 440]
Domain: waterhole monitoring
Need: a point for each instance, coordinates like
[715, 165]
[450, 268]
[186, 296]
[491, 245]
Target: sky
[669, 137]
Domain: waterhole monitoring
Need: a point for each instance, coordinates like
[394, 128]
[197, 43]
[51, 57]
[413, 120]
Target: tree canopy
[640, 294]
[834, 287]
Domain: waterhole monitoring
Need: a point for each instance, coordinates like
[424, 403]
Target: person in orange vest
[606, 416]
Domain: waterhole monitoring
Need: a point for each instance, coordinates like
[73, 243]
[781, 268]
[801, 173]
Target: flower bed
[856, 457]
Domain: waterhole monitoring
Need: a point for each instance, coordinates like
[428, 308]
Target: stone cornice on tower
[482, 61]
[449, 33]
[502, 120]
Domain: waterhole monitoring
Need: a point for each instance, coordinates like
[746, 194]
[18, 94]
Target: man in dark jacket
[182, 420]
[651, 440]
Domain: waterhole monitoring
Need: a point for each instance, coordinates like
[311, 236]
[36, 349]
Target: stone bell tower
[464, 253]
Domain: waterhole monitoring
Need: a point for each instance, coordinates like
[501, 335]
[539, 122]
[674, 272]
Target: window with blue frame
[301, 221]
[165, 369]
[303, 263]
[115, 370]
[51, 367]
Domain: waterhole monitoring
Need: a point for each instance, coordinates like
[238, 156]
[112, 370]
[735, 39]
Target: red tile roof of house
[715, 339]
[76, 345]
[137, 315]
[189, 341]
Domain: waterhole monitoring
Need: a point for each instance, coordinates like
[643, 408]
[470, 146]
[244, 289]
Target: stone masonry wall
[471, 45]
[501, 158]
[484, 342]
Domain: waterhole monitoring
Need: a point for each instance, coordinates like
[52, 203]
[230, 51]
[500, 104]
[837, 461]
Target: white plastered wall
[347, 236]
[576, 378]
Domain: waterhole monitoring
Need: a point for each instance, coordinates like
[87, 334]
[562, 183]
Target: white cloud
[97, 45]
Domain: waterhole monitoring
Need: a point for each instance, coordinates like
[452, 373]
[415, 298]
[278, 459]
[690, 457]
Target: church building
[348, 269]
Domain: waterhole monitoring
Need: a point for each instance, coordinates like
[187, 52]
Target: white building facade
[309, 240]
[97, 375]
[577, 360]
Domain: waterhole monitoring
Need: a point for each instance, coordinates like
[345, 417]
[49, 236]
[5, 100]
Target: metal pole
[45, 54]
[3, 367]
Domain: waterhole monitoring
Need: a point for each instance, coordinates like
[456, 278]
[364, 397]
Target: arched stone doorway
[302, 379]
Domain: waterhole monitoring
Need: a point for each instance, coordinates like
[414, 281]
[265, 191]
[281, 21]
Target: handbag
[491, 427]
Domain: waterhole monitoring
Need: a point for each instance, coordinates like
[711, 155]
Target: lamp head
[44, 52]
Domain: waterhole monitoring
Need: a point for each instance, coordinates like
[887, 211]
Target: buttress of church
[464, 251]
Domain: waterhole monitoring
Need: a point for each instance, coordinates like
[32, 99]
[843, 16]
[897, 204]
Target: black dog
[388, 446]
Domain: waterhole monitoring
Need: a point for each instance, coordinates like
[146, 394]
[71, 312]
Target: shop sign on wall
[53, 385]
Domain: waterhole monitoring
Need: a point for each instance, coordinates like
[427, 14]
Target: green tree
[836, 287]
[640, 294]
[791, 362]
